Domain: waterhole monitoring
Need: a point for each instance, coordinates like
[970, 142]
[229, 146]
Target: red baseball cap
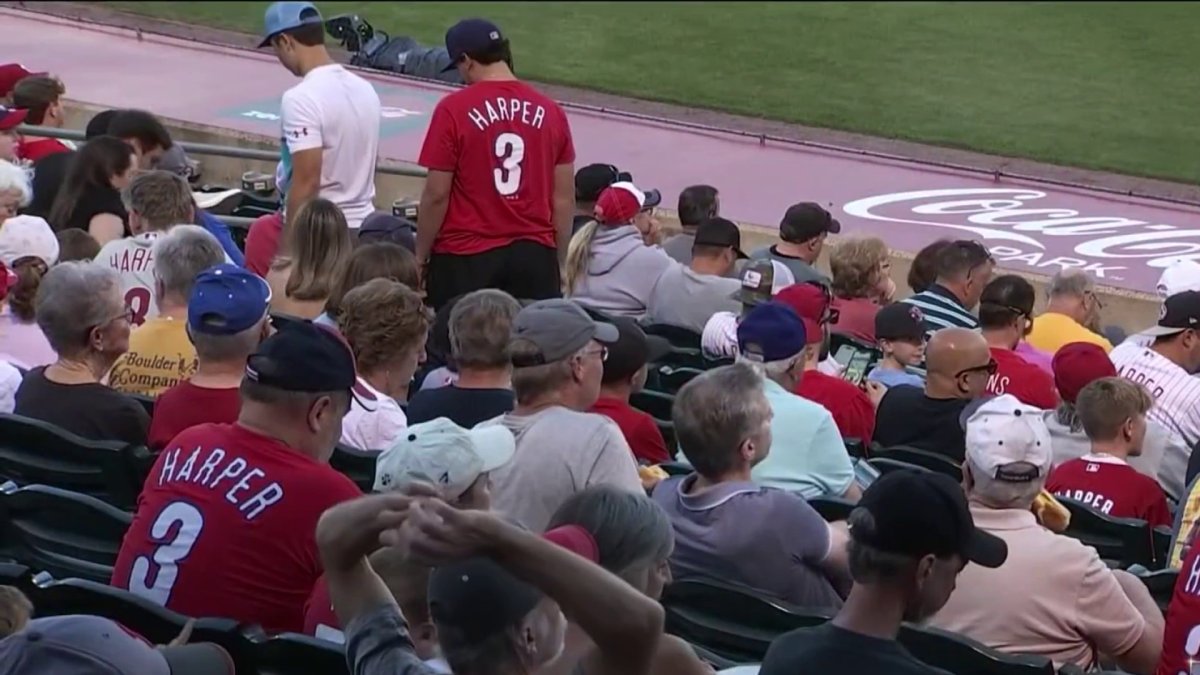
[575, 539]
[10, 75]
[811, 301]
[1077, 365]
[11, 117]
[8, 279]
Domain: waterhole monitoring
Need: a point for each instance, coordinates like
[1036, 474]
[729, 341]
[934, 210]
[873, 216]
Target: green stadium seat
[1125, 541]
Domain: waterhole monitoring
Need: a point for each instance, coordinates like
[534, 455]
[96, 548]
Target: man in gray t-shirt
[697, 204]
[802, 233]
[727, 527]
[688, 296]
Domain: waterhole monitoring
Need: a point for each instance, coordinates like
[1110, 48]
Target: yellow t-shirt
[1051, 331]
[160, 356]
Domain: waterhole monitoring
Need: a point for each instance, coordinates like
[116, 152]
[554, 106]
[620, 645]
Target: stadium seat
[887, 464]
[855, 447]
[147, 402]
[678, 336]
[295, 654]
[16, 574]
[1161, 584]
[922, 458]
[832, 509]
[1122, 540]
[718, 663]
[64, 533]
[1160, 538]
[655, 403]
[358, 465]
[32, 451]
[732, 622]
[676, 468]
[959, 654]
[670, 379]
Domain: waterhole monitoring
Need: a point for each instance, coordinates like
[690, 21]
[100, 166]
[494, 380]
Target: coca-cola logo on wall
[1105, 246]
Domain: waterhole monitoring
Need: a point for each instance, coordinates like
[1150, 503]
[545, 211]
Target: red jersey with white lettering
[1028, 383]
[133, 259]
[1181, 635]
[320, 620]
[502, 141]
[1109, 485]
[225, 527]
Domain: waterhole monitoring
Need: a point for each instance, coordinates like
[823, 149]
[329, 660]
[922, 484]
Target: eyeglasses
[990, 368]
[603, 352]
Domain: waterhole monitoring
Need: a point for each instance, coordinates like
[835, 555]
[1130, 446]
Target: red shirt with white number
[1109, 485]
[502, 141]
[1181, 636]
[225, 527]
[1028, 383]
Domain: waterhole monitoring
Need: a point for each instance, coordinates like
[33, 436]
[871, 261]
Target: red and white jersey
[133, 259]
[1016, 376]
[1181, 635]
[502, 141]
[225, 527]
[1176, 394]
[1109, 485]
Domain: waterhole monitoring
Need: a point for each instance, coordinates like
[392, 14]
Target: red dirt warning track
[1029, 225]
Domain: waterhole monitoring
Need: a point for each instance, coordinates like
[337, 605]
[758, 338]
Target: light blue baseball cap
[283, 16]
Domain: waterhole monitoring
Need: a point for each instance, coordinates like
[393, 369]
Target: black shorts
[525, 270]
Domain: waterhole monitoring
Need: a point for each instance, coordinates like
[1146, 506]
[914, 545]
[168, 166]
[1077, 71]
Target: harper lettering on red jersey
[1016, 376]
[502, 140]
[1109, 485]
[1181, 635]
[224, 527]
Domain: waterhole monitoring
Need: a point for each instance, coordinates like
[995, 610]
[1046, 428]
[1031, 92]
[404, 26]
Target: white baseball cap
[444, 454]
[1179, 276]
[27, 236]
[1003, 431]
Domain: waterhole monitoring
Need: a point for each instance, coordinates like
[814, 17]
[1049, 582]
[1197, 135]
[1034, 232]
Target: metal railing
[216, 150]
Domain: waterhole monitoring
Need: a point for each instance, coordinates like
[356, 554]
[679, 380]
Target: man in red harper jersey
[497, 205]
[1112, 411]
[225, 521]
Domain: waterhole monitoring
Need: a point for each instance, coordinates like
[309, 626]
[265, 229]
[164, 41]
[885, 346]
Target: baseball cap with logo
[632, 350]
[899, 321]
[1179, 312]
[762, 279]
[25, 237]
[11, 74]
[470, 35]
[916, 513]
[1008, 440]
[591, 180]
[444, 454]
[1179, 276]
[805, 221]
[771, 332]
[812, 303]
[11, 118]
[1078, 364]
[93, 645]
[620, 202]
[227, 299]
[281, 16]
[304, 357]
[720, 232]
[557, 328]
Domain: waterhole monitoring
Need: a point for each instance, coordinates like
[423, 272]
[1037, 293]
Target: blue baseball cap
[283, 16]
[470, 35]
[771, 331]
[227, 299]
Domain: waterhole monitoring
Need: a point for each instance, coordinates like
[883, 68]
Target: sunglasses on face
[990, 368]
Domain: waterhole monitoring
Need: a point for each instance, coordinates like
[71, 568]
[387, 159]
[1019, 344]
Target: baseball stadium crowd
[571, 420]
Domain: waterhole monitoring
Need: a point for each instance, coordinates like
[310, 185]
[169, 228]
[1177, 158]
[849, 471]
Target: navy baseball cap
[227, 299]
[93, 645]
[283, 16]
[470, 35]
[771, 331]
[307, 357]
[457, 592]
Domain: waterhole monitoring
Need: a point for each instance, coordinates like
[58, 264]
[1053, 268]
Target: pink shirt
[1035, 356]
[23, 344]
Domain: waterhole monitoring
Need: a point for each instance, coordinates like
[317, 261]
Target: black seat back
[294, 654]
[678, 336]
[64, 533]
[670, 379]
[33, 451]
[1124, 540]
[922, 458]
[357, 465]
[832, 509]
[959, 654]
[887, 464]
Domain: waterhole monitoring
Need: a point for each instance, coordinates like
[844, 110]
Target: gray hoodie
[621, 272]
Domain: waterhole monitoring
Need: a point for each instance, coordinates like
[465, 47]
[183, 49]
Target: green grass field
[1099, 85]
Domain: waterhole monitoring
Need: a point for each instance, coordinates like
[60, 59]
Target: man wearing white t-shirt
[330, 121]
[1165, 368]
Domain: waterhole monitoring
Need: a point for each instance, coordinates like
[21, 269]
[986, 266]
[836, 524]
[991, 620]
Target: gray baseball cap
[93, 645]
[558, 328]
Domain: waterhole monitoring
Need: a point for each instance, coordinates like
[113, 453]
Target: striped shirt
[1176, 394]
[941, 309]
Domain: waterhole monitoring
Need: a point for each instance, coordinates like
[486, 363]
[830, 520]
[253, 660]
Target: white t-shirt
[339, 112]
[133, 259]
[373, 429]
[1176, 394]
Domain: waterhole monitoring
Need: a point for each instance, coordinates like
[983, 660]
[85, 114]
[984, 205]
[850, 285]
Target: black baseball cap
[720, 232]
[591, 180]
[381, 226]
[899, 321]
[632, 350]
[915, 513]
[306, 357]
[478, 599]
[805, 221]
[470, 35]
[1179, 312]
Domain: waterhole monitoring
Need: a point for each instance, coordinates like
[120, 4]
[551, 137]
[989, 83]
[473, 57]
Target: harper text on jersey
[502, 109]
[243, 484]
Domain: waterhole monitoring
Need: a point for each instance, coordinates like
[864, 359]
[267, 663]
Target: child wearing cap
[900, 332]
[625, 373]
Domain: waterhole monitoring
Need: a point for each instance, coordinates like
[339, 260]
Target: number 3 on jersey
[176, 530]
[510, 150]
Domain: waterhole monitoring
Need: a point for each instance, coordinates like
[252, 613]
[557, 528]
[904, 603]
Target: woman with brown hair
[862, 283]
[386, 324]
[90, 196]
[377, 260]
[318, 247]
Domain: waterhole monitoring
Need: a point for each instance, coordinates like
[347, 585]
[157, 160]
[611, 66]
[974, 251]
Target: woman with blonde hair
[862, 283]
[318, 248]
[610, 266]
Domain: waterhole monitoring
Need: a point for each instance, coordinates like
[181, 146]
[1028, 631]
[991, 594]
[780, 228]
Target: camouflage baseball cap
[762, 279]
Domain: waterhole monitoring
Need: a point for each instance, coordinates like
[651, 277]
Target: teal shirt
[807, 453]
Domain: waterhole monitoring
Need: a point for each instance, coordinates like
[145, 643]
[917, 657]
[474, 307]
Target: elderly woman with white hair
[15, 191]
[80, 309]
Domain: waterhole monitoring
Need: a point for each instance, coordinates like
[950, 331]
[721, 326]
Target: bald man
[959, 365]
